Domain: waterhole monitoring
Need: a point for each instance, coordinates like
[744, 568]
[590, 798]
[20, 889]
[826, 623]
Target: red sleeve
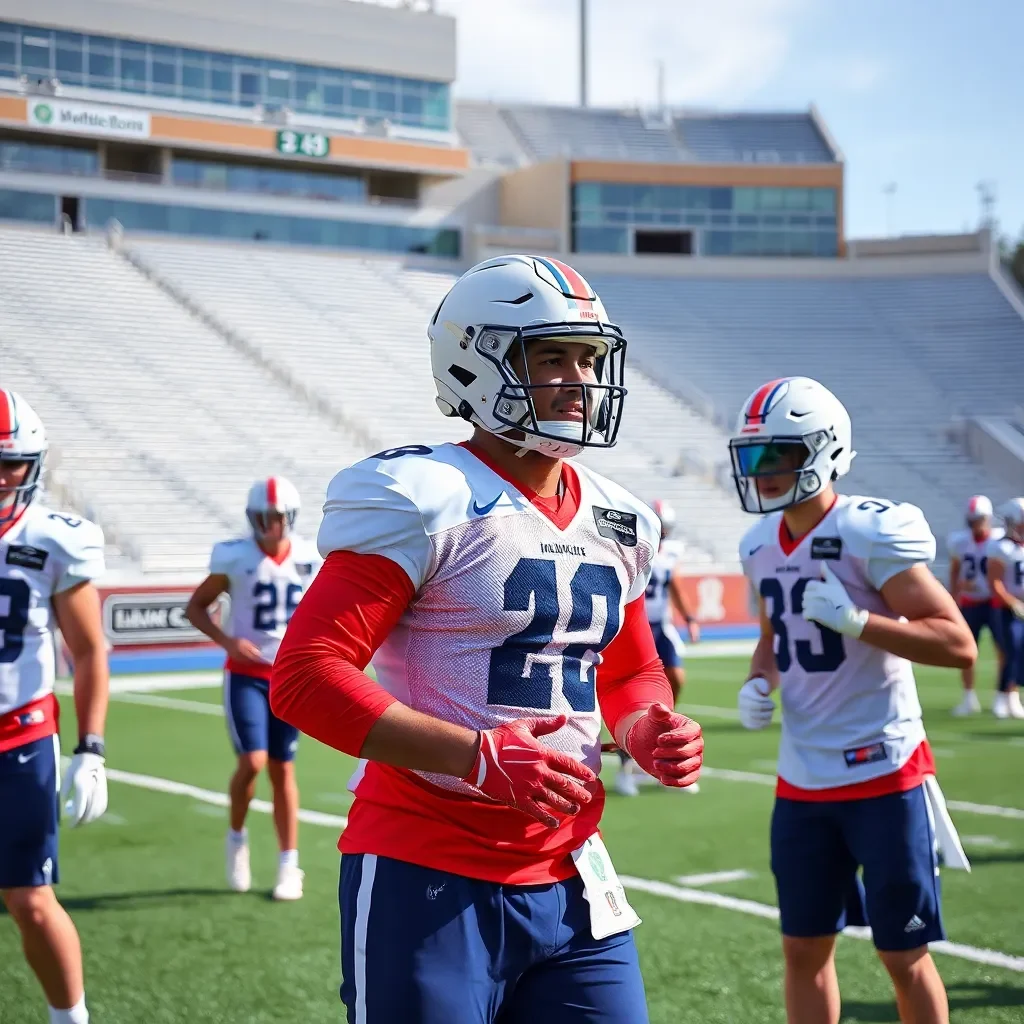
[631, 677]
[318, 683]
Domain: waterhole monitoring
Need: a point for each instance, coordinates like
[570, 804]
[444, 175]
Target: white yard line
[991, 957]
[711, 877]
[728, 774]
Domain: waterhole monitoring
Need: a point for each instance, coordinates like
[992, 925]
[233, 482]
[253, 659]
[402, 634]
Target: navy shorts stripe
[422, 946]
[31, 812]
[251, 724]
[817, 849]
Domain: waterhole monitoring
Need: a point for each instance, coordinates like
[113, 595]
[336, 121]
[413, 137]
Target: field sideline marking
[728, 774]
[710, 877]
[991, 957]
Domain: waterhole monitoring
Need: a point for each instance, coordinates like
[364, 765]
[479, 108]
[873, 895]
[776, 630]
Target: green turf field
[165, 942]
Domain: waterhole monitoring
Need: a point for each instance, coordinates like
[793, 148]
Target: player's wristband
[90, 743]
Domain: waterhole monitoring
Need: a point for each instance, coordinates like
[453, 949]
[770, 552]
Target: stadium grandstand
[219, 229]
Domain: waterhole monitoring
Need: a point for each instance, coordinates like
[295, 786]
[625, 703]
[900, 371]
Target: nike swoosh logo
[754, 551]
[482, 510]
[25, 758]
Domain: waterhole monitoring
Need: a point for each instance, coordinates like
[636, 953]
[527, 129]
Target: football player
[1006, 578]
[847, 604]
[499, 589]
[968, 583]
[48, 564]
[265, 575]
[665, 600]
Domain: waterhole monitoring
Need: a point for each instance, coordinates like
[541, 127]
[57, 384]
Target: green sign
[303, 143]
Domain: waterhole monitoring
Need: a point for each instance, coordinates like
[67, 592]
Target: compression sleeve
[318, 683]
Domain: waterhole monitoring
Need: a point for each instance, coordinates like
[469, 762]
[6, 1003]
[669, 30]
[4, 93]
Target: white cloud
[715, 52]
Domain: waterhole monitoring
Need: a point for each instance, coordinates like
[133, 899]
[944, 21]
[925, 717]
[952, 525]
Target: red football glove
[514, 769]
[667, 745]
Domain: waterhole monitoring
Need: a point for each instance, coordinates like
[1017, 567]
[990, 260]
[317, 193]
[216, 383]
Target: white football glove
[84, 792]
[1017, 607]
[827, 603]
[755, 703]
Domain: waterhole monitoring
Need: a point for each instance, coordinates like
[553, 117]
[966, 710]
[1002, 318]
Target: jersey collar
[786, 539]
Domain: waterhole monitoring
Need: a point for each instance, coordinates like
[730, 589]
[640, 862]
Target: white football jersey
[264, 593]
[42, 554]
[659, 600]
[850, 711]
[973, 557]
[511, 613]
[1011, 555]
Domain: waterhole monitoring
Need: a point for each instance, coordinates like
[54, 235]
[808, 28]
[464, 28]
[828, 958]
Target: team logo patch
[616, 525]
[865, 755]
[26, 556]
[830, 548]
[35, 717]
[304, 568]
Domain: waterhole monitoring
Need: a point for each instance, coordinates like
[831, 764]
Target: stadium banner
[88, 119]
[720, 600]
[150, 616]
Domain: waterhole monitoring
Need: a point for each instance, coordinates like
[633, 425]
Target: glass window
[334, 96]
[797, 198]
[69, 66]
[308, 95]
[249, 87]
[412, 106]
[828, 221]
[744, 200]
[386, 95]
[825, 243]
[772, 198]
[671, 197]
[613, 240]
[695, 220]
[37, 52]
[278, 83]
[436, 105]
[801, 243]
[721, 198]
[101, 69]
[9, 54]
[823, 200]
[195, 78]
[360, 95]
[587, 195]
[717, 243]
[747, 220]
[697, 198]
[722, 220]
[33, 206]
[133, 74]
[799, 220]
[164, 78]
[222, 83]
[32, 156]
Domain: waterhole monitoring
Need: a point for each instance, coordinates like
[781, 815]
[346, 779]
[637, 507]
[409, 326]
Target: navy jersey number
[832, 653]
[516, 677]
[15, 598]
[274, 606]
[973, 567]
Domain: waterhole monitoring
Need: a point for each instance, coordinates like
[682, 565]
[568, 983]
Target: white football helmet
[1012, 513]
[978, 507]
[272, 494]
[491, 313]
[22, 439]
[667, 514]
[790, 425]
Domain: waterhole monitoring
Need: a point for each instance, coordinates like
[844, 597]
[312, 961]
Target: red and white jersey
[972, 582]
[664, 566]
[264, 592]
[850, 711]
[510, 613]
[1010, 555]
[42, 553]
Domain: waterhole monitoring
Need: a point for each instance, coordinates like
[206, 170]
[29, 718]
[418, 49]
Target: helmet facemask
[261, 521]
[13, 500]
[514, 405]
[761, 458]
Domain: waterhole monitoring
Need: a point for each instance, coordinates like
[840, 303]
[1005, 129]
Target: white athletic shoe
[289, 883]
[236, 855]
[1013, 705]
[691, 790]
[969, 705]
[625, 784]
[1001, 705]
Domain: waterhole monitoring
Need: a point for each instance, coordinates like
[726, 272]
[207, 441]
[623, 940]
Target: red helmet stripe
[760, 395]
[272, 492]
[6, 413]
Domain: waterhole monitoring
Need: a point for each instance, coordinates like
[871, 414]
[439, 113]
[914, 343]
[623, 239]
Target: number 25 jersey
[850, 711]
[264, 593]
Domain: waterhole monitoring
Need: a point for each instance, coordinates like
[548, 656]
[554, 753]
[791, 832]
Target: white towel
[946, 837]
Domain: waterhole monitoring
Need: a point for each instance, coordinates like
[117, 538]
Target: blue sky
[926, 94]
